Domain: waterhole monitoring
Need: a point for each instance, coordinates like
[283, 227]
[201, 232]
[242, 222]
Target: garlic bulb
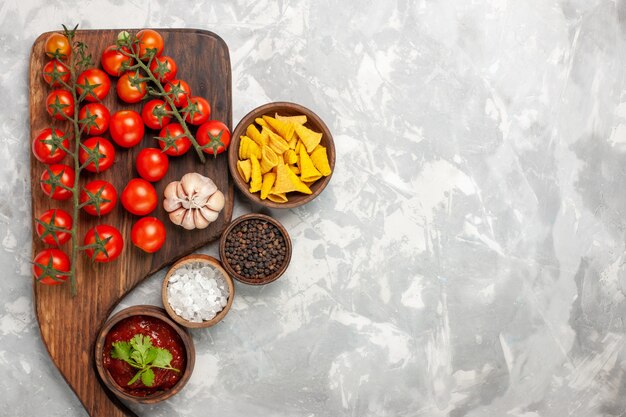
[194, 202]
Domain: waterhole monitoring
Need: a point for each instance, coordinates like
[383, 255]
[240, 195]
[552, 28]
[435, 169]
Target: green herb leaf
[147, 377]
[151, 355]
[121, 351]
[162, 359]
[136, 356]
[141, 344]
[142, 355]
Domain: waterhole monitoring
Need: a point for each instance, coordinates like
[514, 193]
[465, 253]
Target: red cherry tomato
[154, 114]
[149, 39]
[66, 177]
[152, 164]
[57, 46]
[51, 258]
[126, 128]
[102, 120]
[60, 102]
[131, 88]
[148, 234]
[104, 147]
[179, 92]
[164, 68]
[46, 146]
[56, 217]
[103, 252]
[139, 197]
[104, 197]
[113, 60]
[95, 83]
[62, 73]
[171, 143]
[215, 134]
[202, 111]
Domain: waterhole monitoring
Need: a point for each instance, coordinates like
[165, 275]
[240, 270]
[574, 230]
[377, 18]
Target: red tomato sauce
[163, 336]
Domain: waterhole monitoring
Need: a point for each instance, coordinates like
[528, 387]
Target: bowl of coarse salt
[197, 291]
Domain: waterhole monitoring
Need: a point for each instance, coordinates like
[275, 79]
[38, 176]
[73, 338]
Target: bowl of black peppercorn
[255, 249]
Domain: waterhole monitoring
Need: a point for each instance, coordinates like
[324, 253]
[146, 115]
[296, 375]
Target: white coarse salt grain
[197, 292]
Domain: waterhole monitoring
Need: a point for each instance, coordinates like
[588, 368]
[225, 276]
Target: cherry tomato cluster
[51, 146]
[157, 114]
[127, 127]
[169, 108]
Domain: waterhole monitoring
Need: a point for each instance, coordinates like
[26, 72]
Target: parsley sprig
[142, 355]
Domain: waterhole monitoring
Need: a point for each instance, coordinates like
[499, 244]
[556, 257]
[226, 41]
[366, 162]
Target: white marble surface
[467, 258]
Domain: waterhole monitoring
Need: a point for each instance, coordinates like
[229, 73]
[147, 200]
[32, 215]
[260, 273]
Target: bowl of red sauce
[143, 356]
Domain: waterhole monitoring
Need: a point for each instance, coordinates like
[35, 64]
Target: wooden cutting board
[69, 325]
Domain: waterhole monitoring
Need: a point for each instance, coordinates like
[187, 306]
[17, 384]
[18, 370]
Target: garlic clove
[199, 220]
[188, 222]
[188, 183]
[170, 204]
[207, 187]
[180, 191]
[216, 201]
[177, 216]
[170, 190]
[209, 214]
[194, 183]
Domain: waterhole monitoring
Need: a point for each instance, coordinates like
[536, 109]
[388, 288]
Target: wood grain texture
[69, 325]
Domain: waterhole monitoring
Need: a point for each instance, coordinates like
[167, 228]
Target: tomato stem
[77, 166]
[166, 96]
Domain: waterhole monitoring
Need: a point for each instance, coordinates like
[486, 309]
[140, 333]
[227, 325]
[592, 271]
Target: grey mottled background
[468, 256]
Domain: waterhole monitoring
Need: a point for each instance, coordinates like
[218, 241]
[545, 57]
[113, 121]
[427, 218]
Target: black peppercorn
[255, 249]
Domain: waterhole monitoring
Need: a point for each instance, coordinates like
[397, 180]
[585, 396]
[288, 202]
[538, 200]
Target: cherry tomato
[59, 218]
[201, 111]
[62, 73]
[152, 164]
[154, 114]
[148, 234]
[51, 258]
[66, 177]
[46, 146]
[103, 196]
[139, 197]
[179, 92]
[104, 147]
[57, 46]
[215, 134]
[131, 88]
[101, 121]
[164, 68]
[105, 250]
[169, 141]
[149, 39]
[95, 83]
[60, 102]
[113, 60]
[126, 128]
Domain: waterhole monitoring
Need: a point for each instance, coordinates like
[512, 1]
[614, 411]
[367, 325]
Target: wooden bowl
[296, 199]
[269, 278]
[159, 313]
[215, 264]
